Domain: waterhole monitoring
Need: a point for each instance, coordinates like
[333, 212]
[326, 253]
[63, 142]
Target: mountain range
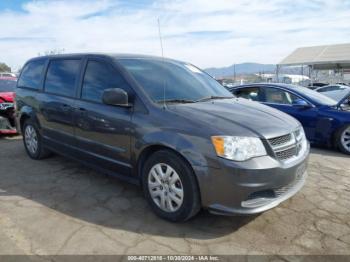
[244, 68]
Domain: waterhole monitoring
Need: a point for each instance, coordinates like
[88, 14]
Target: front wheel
[343, 139]
[170, 186]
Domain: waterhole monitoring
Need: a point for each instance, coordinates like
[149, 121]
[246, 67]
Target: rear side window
[98, 77]
[251, 93]
[32, 74]
[61, 76]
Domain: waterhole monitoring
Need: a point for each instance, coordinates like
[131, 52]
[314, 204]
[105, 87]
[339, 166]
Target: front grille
[287, 146]
[282, 190]
[273, 193]
[5, 106]
[280, 140]
[269, 193]
[266, 196]
[286, 154]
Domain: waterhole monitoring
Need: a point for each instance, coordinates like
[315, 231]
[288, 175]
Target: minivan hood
[239, 117]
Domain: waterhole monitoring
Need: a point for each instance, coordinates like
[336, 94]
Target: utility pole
[277, 73]
[234, 73]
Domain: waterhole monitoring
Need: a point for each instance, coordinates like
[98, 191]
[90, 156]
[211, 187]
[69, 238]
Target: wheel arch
[24, 114]
[151, 149]
[336, 133]
[22, 119]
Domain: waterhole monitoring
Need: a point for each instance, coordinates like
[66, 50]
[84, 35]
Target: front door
[103, 131]
[289, 103]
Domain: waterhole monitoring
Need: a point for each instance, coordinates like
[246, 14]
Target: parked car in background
[342, 96]
[332, 88]
[316, 85]
[343, 84]
[325, 120]
[7, 74]
[165, 125]
[7, 95]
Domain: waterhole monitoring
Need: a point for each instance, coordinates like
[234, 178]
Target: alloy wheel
[345, 139]
[31, 139]
[165, 187]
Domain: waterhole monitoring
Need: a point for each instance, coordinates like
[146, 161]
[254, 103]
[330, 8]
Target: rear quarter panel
[26, 106]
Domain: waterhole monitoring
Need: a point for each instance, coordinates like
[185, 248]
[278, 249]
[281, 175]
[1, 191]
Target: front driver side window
[98, 77]
[279, 96]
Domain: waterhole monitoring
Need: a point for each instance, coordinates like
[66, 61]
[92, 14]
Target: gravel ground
[56, 206]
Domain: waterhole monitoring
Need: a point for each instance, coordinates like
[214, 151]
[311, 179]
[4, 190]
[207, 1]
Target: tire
[343, 139]
[180, 178]
[37, 151]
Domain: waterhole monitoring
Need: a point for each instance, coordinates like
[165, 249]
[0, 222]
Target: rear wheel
[170, 186]
[33, 141]
[343, 139]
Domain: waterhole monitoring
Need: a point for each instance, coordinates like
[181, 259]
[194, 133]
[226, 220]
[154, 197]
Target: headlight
[238, 148]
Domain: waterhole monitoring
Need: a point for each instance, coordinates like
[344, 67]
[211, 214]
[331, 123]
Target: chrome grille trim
[287, 146]
[286, 154]
[280, 140]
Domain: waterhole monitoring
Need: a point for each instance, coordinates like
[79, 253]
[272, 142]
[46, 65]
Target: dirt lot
[56, 206]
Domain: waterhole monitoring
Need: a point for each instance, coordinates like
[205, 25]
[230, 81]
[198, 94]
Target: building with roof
[284, 78]
[334, 58]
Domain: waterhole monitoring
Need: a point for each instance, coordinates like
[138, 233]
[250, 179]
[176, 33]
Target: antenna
[160, 38]
[161, 47]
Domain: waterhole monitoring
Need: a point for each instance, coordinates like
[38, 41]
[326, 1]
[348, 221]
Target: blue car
[326, 120]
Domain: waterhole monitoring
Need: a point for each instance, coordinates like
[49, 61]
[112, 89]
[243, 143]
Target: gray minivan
[165, 125]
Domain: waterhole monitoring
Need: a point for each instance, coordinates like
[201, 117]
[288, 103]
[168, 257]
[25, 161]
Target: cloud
[205, 32]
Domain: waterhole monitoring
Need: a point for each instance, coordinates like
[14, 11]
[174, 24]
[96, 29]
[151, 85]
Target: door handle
[65, 107]
[81, 110]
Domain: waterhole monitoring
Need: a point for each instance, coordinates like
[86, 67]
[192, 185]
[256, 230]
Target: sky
[207, 33]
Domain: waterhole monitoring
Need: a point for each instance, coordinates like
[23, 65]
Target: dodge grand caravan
[165, 125]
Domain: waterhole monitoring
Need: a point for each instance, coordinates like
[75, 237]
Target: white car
[7, 74]
[335, 87]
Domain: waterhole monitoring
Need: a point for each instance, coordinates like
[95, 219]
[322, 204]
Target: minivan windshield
[172, 81]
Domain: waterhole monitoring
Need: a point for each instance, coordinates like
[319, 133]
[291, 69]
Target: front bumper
[5, 126]
[252, 186]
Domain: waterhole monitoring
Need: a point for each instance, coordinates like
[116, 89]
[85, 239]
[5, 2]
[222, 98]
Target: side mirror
[300, 103]
[115, 97]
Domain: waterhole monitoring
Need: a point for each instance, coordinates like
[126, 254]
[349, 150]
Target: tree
[4, 68]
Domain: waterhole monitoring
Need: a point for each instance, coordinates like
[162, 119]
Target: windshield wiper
[213, 97]
[186, 101]
[181, 101]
